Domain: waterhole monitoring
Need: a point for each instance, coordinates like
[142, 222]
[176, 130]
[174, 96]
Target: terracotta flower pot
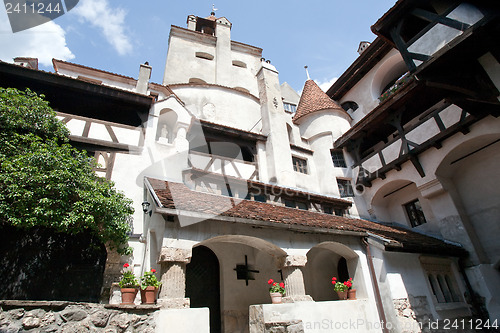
[128, 295]
[148, 295]
[351, 294]
[342, 295]
[276, 298]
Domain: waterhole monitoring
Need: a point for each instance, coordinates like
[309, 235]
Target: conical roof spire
[314, 99]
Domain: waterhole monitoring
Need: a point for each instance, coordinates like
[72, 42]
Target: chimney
[363, 46]
[31, 63]
[143, 80]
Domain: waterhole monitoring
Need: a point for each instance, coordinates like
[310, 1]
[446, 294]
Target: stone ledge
[6, 304]
[135, 307]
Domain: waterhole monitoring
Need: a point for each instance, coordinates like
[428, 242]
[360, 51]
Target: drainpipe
[378, 299]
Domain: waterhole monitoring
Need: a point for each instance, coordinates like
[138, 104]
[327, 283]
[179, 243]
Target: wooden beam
[435, 18]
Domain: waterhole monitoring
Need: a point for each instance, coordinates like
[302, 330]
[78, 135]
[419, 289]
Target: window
[353, 106]
[292, 108]
[296, 204]
[338, 159]
[240, 64]
[299, 164]
[415, 213]
[345, 188]
[441, 280]
[204, 55]
[328, 210]
[339, 212]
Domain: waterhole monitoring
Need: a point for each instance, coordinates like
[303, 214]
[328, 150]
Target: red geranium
[126, 265]
[341, 286]
[275, 287]
[153, 270]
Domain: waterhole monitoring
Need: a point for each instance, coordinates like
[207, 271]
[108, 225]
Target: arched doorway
[203, 284]
[245, 265]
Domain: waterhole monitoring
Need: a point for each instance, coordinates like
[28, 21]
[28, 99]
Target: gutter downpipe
[378, 298]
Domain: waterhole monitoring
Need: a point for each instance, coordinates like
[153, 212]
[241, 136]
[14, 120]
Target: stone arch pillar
[294, 279]
[173, 263]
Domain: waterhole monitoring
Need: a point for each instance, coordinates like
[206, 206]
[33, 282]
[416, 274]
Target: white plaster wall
[182, 63]
[183, 321]
[366, 92]
[223, 106]
[477, 181]
[336, 316]
[245, 77]
[440, 35]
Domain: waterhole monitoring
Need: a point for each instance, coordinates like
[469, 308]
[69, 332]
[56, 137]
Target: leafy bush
[46, 182]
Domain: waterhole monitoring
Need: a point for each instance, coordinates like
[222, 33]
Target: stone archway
[236, 292]
[329, 259]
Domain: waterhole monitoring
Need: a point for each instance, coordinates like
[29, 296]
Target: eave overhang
[74, 96]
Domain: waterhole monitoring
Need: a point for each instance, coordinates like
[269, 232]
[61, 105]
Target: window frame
[342, 190]
[289, 107]
[300, 168]
[338, 155]
[447, 293]
[415, 221]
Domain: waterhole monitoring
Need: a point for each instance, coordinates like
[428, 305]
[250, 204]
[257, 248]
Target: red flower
[334, 278]
[282, 285]
[153, 270]
[333, 281]
[270, 281]
[126, 265]
[274, 284]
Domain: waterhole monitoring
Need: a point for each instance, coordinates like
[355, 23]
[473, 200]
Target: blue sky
[117, 36]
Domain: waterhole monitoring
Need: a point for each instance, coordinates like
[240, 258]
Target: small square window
[299, 164]
[415, 213]
[291, 108]
[328, 210]
[339, 212]
[296, 204]
[338, 159]
[345, 188]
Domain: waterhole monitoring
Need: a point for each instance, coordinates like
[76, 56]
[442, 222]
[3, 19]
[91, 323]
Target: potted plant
[128, 285]
[149, 287]
[351, 292]
[277, 291]
[341, 287]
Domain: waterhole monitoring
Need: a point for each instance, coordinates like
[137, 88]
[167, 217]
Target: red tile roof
[178, 196]
[314, 99]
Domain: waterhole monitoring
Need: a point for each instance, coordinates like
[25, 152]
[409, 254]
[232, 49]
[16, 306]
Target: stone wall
[414, 315]
[41, 316]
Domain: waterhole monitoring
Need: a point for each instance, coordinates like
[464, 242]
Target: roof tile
[314, 99]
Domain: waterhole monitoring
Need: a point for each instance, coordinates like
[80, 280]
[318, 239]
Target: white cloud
[326, 84]
[110, 20]
[44, 42]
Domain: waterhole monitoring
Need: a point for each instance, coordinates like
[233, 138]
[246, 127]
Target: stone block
[174, 303]
[295, 261]
[73, 315]
[170, 254]
[30, 322]
[100, 318]
[296, 328]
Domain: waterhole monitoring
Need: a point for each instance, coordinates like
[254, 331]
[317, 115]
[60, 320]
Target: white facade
[215, 83]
